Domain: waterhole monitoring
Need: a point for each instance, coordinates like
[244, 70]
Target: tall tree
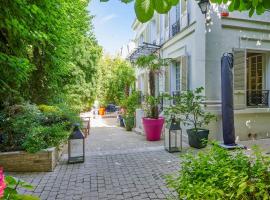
[44, 44]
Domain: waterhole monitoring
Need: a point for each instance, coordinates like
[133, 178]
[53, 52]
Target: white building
[197, 48]
[126, 50]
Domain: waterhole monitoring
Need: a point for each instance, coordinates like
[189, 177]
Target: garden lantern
[204, 5]
[173, 138]
[76, 146]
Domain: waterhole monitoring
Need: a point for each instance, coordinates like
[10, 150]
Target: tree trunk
[152, 86]
[152, 83]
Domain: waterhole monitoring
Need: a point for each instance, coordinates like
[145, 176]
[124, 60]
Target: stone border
[21, 161]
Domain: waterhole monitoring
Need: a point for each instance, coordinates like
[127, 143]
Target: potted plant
[188, 109]
[152, 123]
[130, 104]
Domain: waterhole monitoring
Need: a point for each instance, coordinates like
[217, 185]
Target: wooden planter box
[21, 161]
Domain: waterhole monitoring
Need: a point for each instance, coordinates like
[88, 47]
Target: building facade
[196, 44]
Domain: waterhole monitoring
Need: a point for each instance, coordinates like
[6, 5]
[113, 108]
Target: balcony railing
[175, 28]
[258, 98]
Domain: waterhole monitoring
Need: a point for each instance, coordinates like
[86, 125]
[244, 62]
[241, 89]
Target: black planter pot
[198, 139]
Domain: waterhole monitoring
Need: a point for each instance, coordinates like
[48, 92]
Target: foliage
[153, 64]
[145, 9]
[11, 190]
[48, 53]
[150, 107]
[217, 174]
[131, 103]
[188, 108]
[15, 122]
[115, 77]
[31, 128]
[42, 137]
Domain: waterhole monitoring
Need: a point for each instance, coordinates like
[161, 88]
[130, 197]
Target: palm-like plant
[153, 63]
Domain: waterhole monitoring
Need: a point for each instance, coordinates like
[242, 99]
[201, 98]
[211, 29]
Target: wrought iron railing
[258, 98]
[175, 28]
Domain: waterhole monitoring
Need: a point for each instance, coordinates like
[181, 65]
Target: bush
[32, 128]
[220, 174]
[15, 122]
[130, 104]
[42, 137]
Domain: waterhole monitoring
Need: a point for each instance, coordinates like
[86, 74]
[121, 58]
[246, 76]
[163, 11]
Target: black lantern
[173, 138]
[204, 5]
[76, 146]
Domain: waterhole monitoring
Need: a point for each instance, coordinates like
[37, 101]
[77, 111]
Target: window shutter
[184, 73]
[239, 78]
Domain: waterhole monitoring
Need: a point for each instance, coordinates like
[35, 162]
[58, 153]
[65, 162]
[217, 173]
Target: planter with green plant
[130, 104]
[152, 123]
[189, 110]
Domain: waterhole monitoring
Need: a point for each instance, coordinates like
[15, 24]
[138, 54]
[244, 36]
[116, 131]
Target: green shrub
[31, 128]
[131, 103]
[221, 174]
[15, 122]
[42, 137]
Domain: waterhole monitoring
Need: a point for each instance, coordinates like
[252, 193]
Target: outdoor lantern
[173, 137]
[204, 4]
[76, 146]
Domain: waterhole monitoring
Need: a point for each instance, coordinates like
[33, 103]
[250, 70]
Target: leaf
[144, 10]
[266, 4]
[255, 3]
[175, 2]
[162, 6]
[11, 181]
[251, 12]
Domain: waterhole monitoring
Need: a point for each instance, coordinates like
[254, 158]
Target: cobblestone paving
[119, 165]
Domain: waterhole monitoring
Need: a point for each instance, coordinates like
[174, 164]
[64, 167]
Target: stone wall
[20, 161]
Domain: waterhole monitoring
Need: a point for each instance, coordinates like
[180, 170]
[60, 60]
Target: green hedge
[31, 128]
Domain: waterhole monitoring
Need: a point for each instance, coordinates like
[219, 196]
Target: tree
[115, 77]
[145, 9]
[48, 53]
[153, 64]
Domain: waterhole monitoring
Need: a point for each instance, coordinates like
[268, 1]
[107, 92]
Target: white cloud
[107, 18]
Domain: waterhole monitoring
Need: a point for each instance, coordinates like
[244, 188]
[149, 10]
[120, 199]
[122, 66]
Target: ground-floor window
[257, 95]
[177, 76]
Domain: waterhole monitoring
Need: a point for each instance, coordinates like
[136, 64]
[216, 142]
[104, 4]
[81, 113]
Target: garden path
[119, 165]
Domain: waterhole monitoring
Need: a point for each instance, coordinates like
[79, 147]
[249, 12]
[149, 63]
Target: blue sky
[112, 23]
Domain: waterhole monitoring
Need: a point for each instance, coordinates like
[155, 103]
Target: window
[256, 93]
[255, 67]
[175, 20]
[177, 76]
[153, 32]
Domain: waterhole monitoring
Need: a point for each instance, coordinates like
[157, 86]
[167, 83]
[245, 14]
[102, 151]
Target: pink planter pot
[153, 128]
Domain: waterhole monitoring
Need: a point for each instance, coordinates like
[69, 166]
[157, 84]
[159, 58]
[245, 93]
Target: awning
[143, 50]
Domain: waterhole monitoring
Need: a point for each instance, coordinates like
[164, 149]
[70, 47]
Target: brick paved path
[119, 165]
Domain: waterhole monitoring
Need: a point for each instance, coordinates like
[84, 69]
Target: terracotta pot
[224, 14]
[153, 128]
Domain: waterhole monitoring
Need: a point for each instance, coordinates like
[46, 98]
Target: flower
[2, 182]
